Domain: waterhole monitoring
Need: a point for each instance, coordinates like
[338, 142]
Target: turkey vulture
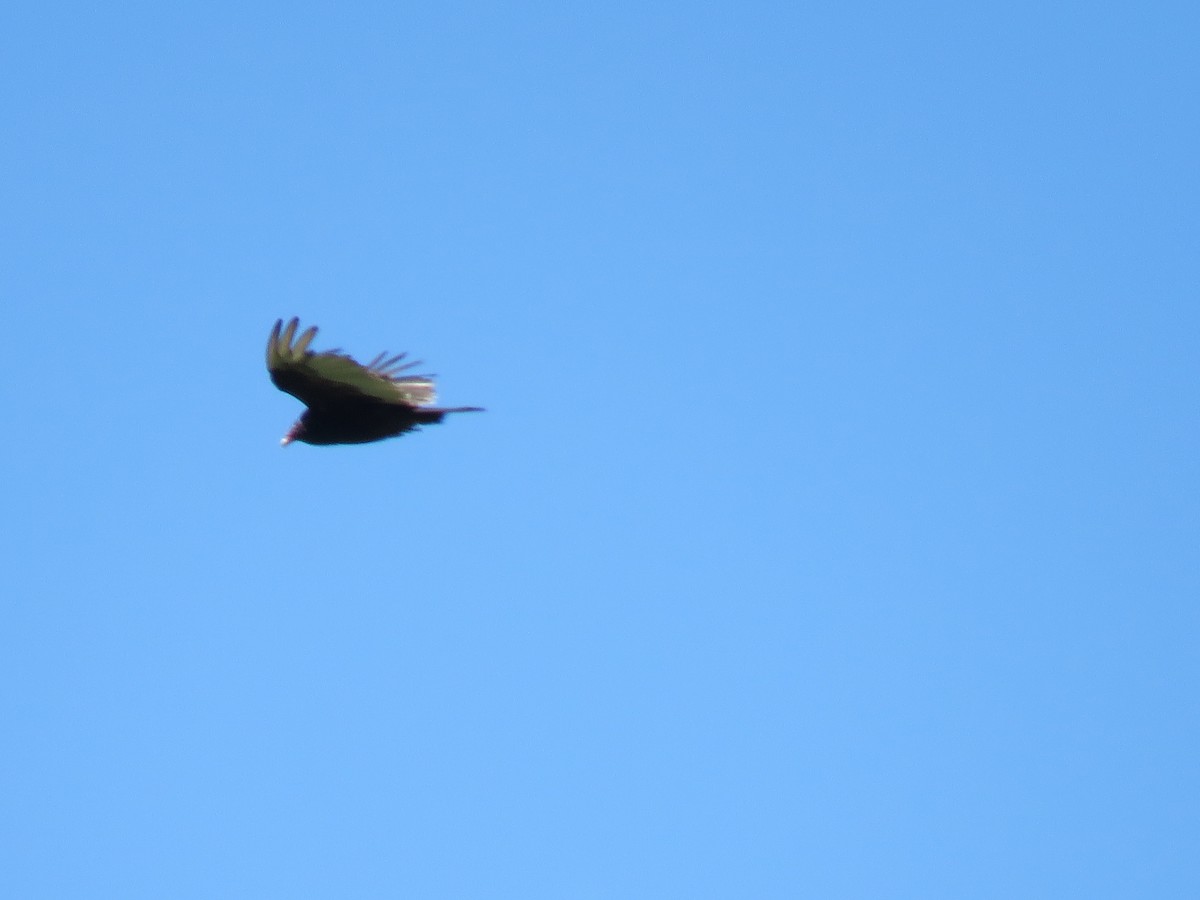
[349, 403]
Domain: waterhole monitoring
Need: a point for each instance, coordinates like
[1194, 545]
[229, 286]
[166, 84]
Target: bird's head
[295, 433]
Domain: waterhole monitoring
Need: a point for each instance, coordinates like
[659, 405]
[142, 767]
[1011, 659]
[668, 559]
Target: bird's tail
[432, 415]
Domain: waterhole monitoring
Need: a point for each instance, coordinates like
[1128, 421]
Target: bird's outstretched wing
[318, 379]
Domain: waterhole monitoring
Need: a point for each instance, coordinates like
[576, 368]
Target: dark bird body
[349, 403]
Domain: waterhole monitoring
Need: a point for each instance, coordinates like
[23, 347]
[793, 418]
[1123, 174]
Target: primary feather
[349, 403]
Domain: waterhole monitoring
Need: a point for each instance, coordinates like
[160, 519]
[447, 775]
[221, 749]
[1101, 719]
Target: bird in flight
[349, 403]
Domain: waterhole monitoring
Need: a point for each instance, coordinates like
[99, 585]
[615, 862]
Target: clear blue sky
[832, 531]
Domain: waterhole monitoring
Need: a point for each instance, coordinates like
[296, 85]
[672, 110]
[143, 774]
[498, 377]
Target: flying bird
[349, 403]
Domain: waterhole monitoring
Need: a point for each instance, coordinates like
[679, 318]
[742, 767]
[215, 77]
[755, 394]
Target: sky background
[832, 528]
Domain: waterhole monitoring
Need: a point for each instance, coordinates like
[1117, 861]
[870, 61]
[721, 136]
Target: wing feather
[301, 345]
[320, 379]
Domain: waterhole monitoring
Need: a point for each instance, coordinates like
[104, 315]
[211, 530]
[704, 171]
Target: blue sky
[832, 529]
